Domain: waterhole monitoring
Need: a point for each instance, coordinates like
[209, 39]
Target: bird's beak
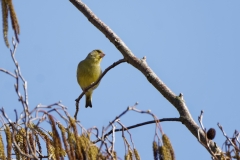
[101, 55]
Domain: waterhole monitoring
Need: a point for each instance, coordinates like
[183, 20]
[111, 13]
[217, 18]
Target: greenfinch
[88, 71]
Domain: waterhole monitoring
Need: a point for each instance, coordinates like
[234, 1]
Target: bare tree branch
[141, 65]
[7, 72]
[138, 125]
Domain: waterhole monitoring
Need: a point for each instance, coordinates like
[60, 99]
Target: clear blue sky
[193, 46]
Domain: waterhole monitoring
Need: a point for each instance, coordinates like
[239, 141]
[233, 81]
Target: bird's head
[96, 55]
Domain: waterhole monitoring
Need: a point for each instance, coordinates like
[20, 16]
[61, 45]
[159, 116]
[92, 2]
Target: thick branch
[142, 66]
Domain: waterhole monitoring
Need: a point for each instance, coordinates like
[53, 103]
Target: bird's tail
[88, 101]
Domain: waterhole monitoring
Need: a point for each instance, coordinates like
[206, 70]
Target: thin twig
[141, 124]
[158, 126]
[207, 145]
[200, 121]
[225, 135]
[127, 131]
[113, 138]
[7, 72]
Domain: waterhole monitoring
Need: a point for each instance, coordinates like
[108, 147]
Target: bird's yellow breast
[87, 73]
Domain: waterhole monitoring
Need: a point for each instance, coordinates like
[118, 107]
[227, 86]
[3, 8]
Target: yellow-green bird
[88, 71]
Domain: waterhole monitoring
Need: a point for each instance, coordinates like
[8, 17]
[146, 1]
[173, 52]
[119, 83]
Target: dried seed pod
[2, 152]
[9, 142]
[155, 150]
[211, 133]
[168, 145]
[137, 156]
[164, 153]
